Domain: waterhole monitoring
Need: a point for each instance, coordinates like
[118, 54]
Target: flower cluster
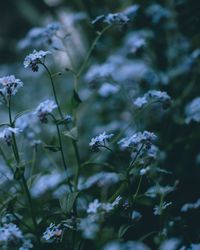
[99, 141]
[35, 58]
[138, 139]
[10, 85]
[188, 206]
[113, 18]
[45, 108]
[52, 233]
[98, 207]
[153, 96]
[11, 236]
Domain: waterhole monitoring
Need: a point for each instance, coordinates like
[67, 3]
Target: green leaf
[52, 148]
[76, 100]
[19, 172]
[67, 202]
[73, 133]
[123, 229]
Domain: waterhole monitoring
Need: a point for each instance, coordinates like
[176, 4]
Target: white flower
[6, 134]
[93, 206]
[97, 207]
[144, 171]
[44, 109]
[10, 85]
[138, 139]
[113, 18]
[10, 232]
[52, 232]
[140, 101]
[108, 89]
[188, 206]
[192, 111]
[35, 58]
[153, 95]
[159, 209]
[97, 141]
[116, 18]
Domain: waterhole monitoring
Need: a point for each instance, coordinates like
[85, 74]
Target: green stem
[61, 149]
[54, 90]
[138, 188]
[17, 158]
[84, 64]
[30, 203]
[14, 144]
[78, 166]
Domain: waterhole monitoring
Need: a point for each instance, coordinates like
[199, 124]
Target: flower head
[97, 141]
[35, 58]
[10, 85]
[44, 109]
[6, 134]
[52, 232]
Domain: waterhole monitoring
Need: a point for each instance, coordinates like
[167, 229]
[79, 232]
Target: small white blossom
[112, 18]
[108, 89]
[159, 209]
[6, 134]
[138, 139]
[44, 109]
[192, 111]
[97, 141]
[144, 171]
[97, 207]
[27, 244]
[35, 58]
[10, 232]
[153, 96]
[10, 85]
[189, 206]
[93, 206]
[140, 101]
[52, 232]
[116, 18]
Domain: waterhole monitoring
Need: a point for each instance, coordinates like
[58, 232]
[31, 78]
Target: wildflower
[113, 18]
[188, 206]
[155, 96]
[10, 85]
[96, 142]
[144, 171]
[138, 139]
[7, 133]
[52, 232]
[192, 111]
[155, 191]
[93, 206]
[170, 244]
[10, 232]
[159, 209]
[97, 207]
[116, 18]
[108, 89]
[35, 58]
[27, 244]
[44, 109]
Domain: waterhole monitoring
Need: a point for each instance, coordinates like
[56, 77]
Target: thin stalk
[78, 166]
[54, 89]
[17, 158]
[14, 144]
[84, 64]
[138, 188]
[61, 148]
